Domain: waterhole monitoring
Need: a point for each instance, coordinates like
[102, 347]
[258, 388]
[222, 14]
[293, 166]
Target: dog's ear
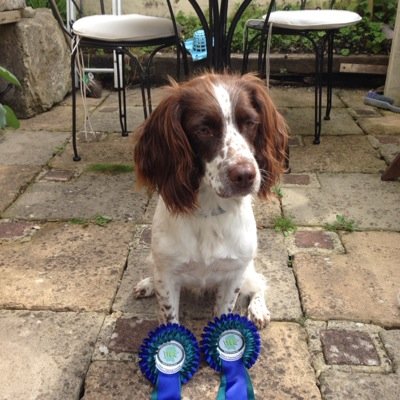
[163, 157]
[272, 136]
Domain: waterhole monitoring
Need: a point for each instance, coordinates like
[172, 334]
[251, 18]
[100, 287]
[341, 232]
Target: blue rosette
[168, 358]
[231, 345]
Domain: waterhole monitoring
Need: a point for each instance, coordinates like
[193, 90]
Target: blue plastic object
[197, 46]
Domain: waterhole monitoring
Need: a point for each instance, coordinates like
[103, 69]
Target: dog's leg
[254, 286]
[227, 294]
[145, 288]
[168, 295]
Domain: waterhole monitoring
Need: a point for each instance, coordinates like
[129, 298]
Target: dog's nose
[242, 175]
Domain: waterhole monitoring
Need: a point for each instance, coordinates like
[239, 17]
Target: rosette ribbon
[168, 358]
[231, 345]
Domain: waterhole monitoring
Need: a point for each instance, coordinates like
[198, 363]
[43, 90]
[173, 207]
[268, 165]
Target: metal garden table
[218, 34]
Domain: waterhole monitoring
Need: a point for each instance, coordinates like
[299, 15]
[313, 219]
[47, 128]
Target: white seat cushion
[129, 27]
[313, 19]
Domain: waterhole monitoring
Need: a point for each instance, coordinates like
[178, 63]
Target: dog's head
[223, 129]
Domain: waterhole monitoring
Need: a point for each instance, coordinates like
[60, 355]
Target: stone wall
[6, 5]
[36, 51]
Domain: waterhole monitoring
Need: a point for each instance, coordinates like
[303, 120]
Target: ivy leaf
[3, 120]
[9, 77]
[11, 118]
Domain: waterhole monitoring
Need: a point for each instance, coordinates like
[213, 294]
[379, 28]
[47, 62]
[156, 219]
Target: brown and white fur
[210, 146]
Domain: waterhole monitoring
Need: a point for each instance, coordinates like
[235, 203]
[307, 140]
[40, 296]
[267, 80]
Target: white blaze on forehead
[224, 101]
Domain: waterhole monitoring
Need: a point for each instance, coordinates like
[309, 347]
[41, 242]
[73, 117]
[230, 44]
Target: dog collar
[215, 212]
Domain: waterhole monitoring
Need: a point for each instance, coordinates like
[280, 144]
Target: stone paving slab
[30, 148]
[351, 195]
[336, 154]
[59, 119]
[110, 149]
[45, 355]
[14, 179]
[299, 180]
[389, 124]
[266, 211]
[16, 230]
[391, 340]
[361, 285]
[313, 240]
[354, 100]
[134, 97]
[299, 97]
[65, 267]
[388, 146]
[106, 118]
[283, 371]
[136, 270]
[89, 195]
[301, 122]
[272, 261]
[358, 346]
[359, 386]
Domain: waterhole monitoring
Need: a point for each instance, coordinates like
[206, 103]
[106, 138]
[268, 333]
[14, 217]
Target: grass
[108, 168]
[342, 223]
[284, 225]
[100, 220]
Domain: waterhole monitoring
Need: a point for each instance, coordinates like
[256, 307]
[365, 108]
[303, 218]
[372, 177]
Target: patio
[74, 242]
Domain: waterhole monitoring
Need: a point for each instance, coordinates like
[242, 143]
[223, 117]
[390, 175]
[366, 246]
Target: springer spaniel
[210, 146]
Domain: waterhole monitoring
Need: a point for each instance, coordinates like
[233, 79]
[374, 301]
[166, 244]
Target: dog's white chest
[203, 250]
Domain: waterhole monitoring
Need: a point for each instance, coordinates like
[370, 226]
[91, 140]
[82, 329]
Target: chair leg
[142, 83]
[184, 59]
[329, 76]
[121, 89]
[246, 51]
[319, 66]
[76, 156]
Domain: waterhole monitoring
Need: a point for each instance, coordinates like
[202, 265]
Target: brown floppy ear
[164, 159]
[272, 136]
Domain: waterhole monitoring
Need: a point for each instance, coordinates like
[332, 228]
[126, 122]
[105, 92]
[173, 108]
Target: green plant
[79, 221]
[190, 24]
[284, 225]
[61, 5]
[107, 168]
[7, 115]
[342, 223]
[101, 220]
[277, 190]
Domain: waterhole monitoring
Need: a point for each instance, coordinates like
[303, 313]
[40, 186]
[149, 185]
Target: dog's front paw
[258, 312]
[144, 288]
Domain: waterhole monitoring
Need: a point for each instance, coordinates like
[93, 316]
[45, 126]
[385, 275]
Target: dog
[211, 145]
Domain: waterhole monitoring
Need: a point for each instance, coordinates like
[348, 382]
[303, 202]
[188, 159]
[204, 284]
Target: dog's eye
[251, 123]
[204, 131]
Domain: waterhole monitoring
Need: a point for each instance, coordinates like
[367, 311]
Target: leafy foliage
[342, 223]
[7, 116]
[284, 225]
